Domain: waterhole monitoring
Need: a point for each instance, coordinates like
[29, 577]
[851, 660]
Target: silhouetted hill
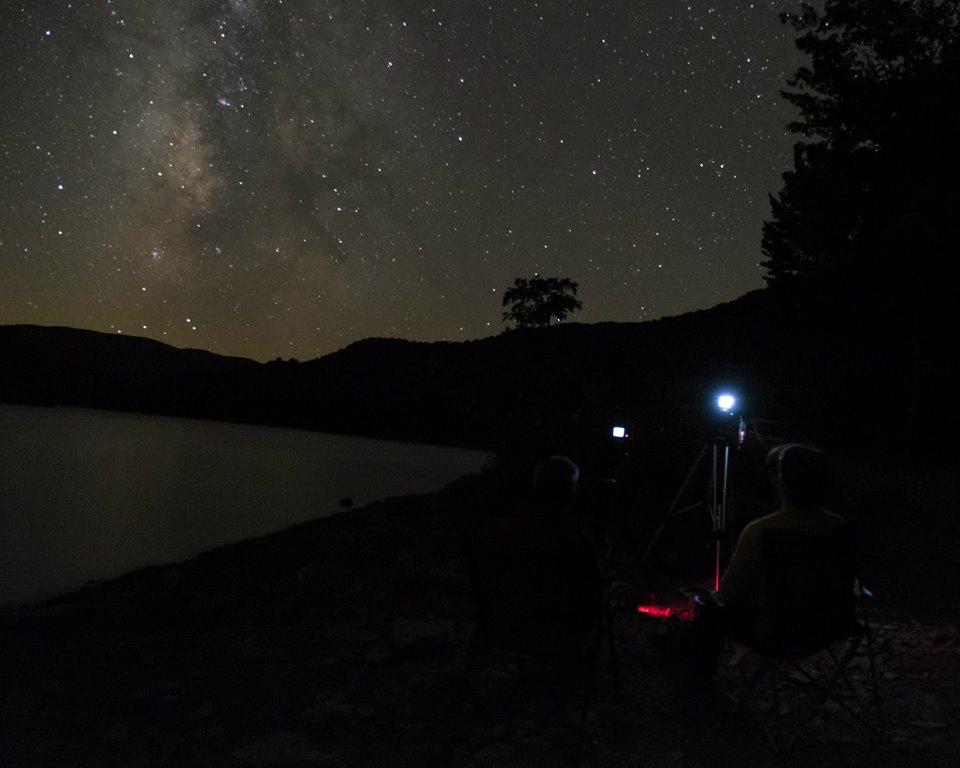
[813, 361]
[67, 366]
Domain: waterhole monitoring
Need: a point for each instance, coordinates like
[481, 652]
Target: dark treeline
[865, 229]
[805, 360]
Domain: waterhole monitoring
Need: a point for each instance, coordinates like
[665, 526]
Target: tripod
[717, 450]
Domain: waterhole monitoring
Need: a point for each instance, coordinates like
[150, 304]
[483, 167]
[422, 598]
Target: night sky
[281, 177]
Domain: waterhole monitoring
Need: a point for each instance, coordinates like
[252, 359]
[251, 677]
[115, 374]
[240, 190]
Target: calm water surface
[92, 494]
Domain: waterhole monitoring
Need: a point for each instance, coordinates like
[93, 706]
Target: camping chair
[821, 613]
[540, 599]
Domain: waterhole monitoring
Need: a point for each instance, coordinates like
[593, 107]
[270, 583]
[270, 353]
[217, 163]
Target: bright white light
[620, 432]
[726, 402]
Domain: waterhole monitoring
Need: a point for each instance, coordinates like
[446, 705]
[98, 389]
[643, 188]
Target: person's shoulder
[566, 532]
[835, 518]
[572, 540]
[504, 529]
[502, 523]
[755, 527]
[824, 521]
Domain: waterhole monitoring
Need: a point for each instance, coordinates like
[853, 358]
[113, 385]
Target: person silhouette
[746, 604]
[555, 481]
[552, 520]
[544, 552]
[804, 480]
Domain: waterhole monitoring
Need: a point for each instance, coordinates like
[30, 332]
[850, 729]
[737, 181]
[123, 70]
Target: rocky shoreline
[343, 642]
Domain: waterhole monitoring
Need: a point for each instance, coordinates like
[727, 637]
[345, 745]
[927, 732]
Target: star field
[281, 177]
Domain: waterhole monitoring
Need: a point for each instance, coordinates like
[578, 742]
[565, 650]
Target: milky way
[281, 177]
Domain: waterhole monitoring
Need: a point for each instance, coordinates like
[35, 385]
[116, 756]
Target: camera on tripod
[713, 465]
[725, 416]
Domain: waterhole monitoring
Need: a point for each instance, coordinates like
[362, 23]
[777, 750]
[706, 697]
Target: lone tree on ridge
[534, 302]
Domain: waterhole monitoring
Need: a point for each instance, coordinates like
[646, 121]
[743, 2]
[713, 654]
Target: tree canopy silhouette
[872, 197]
[866, 224]
[534, 302]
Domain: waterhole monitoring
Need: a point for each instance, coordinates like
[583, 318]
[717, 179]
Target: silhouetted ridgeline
[834, 376]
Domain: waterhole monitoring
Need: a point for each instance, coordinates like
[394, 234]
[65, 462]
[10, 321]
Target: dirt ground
[344, 641]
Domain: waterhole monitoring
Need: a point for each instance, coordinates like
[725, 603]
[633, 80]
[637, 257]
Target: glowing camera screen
[619, 432]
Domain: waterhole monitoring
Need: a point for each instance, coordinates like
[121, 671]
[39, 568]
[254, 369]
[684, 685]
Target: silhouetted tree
[536, 301]
[868, 216]
[872, 195]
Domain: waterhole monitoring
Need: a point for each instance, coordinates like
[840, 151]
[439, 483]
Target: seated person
[541, 565]
[551, 524]
[748, 602]
[804, 480]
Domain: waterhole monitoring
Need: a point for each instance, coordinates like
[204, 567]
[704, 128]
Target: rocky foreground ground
[343, 642]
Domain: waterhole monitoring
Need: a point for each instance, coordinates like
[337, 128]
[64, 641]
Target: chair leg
[779, 740]
[877, 699]
[774, 715]
[874, 682]
[826, 691]
[751, 684]
[846, 677]
[589, 665]
[612, 650]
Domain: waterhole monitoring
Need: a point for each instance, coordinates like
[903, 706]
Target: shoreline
[88, 496]
[342, 641]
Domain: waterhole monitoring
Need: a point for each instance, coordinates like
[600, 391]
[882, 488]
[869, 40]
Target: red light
[659, 611]
[685, 612]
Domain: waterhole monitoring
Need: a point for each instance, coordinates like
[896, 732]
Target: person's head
[555, 485]
[803, 475]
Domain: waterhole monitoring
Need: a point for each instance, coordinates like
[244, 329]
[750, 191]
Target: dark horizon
[504, 328]
[264, 181]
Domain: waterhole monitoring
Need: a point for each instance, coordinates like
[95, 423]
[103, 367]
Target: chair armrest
[704, 597]
[860, 589]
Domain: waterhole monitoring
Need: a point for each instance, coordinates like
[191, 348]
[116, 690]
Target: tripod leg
[714, 499]
[723, 498]
[720, 522]
[716, 573]
[673, 505]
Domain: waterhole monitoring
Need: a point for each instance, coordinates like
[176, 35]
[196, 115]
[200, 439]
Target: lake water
[88, 495]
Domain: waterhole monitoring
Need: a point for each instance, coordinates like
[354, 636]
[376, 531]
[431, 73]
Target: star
[353, 166]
